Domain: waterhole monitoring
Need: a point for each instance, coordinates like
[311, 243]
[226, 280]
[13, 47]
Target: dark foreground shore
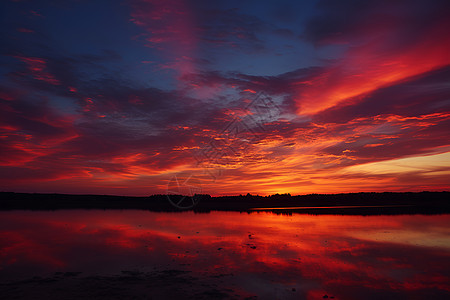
[160, 284]
[351, 203]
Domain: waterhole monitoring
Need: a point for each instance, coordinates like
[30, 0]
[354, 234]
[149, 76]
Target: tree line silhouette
[348, 203]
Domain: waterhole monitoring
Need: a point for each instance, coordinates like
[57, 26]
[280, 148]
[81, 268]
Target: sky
[141, 97]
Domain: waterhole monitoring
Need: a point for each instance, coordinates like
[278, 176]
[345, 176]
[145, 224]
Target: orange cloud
[364, 69]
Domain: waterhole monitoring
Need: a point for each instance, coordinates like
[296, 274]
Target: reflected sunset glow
[267, 254]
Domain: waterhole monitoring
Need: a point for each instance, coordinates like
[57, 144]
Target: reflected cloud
[260, 254]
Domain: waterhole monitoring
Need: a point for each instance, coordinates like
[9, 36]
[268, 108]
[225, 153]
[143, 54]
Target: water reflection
[236, 254]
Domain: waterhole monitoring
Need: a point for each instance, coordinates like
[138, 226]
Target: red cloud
[376, 64]
[25, 30]
[38, 69]
[170, 28]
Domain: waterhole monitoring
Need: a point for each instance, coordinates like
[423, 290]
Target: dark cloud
[355, 21]
[232, 28]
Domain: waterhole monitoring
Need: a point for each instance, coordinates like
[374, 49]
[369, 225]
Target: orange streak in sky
[368, 68]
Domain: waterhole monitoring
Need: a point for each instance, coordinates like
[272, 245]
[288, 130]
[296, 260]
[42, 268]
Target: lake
[136, 254]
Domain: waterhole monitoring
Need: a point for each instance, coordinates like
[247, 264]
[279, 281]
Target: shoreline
[350, 203]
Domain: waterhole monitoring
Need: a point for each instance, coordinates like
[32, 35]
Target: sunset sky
[118, 97]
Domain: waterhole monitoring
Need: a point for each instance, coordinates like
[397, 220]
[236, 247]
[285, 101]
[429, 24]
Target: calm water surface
[224, 255]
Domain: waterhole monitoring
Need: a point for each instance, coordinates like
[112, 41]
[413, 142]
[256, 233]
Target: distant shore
[350, 203]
